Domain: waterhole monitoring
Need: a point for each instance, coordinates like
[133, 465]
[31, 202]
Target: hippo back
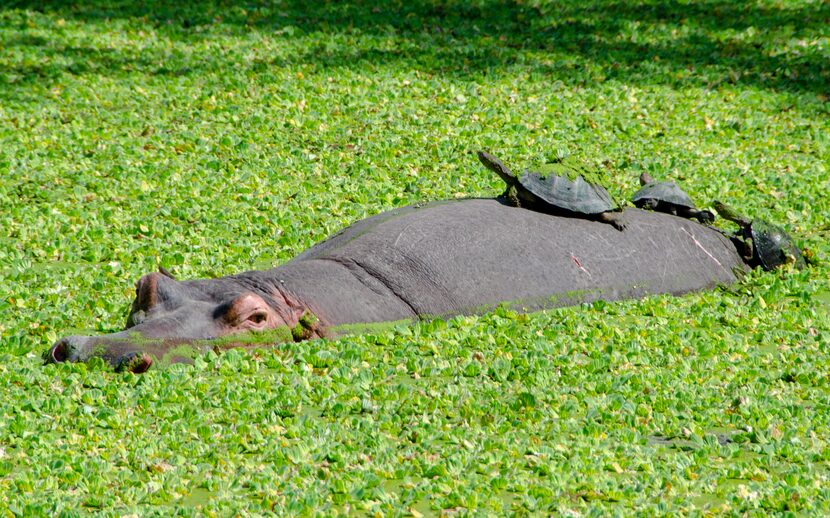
[463, 256]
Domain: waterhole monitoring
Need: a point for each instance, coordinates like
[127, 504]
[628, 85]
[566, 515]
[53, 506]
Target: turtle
[552, 189]
[668, 197]
[764, 243]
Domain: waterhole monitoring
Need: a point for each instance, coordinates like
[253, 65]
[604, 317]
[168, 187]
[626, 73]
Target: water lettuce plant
[212, 137]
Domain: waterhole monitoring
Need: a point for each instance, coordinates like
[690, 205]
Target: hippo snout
[82, 348]
[69, 349]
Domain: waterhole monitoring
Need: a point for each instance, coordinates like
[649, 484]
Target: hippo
[434, 260]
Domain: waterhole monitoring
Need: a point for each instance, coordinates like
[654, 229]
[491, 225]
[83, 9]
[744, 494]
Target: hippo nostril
[60, 351]
[69, 349]
[134, 362]
[142, 365]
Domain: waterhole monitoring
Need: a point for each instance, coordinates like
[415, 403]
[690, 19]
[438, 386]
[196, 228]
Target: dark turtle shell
[772, 246]
[576, 195]
[663, 192]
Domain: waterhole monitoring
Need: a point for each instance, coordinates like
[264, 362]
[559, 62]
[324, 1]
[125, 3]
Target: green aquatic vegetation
[213, 138]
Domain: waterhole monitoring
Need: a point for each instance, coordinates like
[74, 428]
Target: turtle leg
[512, 196]
[649, 204]
[742, 244]
[613, 218]
[749, 249]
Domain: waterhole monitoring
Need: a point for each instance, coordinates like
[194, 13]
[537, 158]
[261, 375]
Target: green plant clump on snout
[214, 137]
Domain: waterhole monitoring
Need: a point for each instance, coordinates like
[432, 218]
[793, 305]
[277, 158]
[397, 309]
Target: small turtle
[551, 190]
[765, 244]
[668, 197]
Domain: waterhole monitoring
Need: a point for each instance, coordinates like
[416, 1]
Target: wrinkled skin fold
[436, 260]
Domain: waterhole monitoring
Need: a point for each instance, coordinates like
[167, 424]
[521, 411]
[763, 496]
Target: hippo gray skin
[437, 260]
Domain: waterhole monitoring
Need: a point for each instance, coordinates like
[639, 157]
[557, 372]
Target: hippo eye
[136, 318]
[258, 317]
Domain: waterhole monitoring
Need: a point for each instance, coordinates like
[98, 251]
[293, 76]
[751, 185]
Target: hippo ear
[150, 290]
[164, 271]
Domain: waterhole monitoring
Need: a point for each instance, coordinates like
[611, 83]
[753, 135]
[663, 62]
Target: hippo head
[176, 319]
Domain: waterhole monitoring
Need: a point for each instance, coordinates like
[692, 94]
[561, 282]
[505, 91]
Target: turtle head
[706, 217]
[497, 166]
[645, 178]
[728, 213]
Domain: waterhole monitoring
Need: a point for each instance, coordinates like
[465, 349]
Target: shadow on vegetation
[647, 41]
